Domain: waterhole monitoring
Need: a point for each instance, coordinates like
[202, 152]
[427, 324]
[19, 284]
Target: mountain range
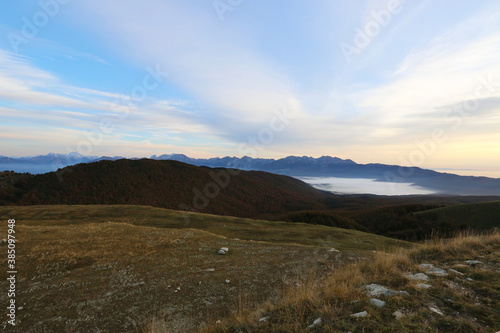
[232, 192]
[296, 166]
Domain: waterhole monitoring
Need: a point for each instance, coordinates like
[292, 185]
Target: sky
[395, 82]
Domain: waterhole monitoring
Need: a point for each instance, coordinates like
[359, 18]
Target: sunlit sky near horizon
[394, 82]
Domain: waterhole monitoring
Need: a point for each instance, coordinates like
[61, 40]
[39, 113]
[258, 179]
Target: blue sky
[396, 82]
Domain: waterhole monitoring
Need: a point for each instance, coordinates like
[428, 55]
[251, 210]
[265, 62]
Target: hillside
[229, 192]
[484, 215]
[114, 268]
[450, 285]
[173, 185]
[143, 269]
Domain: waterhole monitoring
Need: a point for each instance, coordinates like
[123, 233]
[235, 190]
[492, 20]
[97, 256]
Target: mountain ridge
[170, 184]
[300, 166]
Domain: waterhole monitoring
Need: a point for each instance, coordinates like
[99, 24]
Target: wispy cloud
[36, 102]
[447, 71]
[207, 58]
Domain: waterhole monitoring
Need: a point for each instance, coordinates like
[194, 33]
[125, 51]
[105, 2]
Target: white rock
[221, 251]
[333, 250]
[315, 322]
[398, 314]
[425, 266]
[227, 281]
[418, 276]
[436, 310]
[469, 279]
[360, 314]
[455, 271]
[376, 302]
[423, 286]
[473, 262]
[377, 290]
[436, 271]
[263, 319]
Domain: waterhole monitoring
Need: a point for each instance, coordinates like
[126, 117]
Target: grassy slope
[483, 215]
[465, 300]
[230, 227]
[114, 267]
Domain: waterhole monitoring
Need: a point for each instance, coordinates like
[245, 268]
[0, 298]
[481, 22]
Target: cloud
[213, 61]
[26, 84]
[37, 104]
[458, 69]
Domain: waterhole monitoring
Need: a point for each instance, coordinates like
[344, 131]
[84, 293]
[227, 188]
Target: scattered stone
[418, 276]
[423, 286]
[455, 271]
[398, 314]
[227, 281]
[436, 310]
[223, 250]
[218, 322]
[377, 290]
[437, 271]
[376, 302]
[333, 250]
[316, 322]
[473, 262]
[469, 279]
[360, 314]
[430, 269]
[263, 319]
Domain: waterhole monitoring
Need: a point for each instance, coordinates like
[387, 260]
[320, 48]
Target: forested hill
[169, 184]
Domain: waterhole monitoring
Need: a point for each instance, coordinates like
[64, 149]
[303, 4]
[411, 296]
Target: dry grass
[337, 295]
[116, 268]
[465, 244]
